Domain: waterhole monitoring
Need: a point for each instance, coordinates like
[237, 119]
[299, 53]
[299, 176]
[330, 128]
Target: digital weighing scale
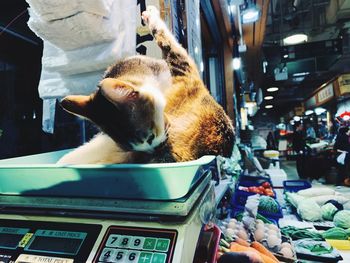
[103, 213]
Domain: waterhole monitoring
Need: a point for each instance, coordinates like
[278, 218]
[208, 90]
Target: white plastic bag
[341, 158]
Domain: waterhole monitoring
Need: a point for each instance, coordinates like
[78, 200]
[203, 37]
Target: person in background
[342, 145]
[322, 130]
[298, 144]
[310, 132]
[271, 141]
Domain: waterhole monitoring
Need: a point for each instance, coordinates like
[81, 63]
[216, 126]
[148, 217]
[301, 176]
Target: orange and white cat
[152, 110]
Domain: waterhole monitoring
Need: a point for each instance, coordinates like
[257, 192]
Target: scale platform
[102, 213]
[34, 182]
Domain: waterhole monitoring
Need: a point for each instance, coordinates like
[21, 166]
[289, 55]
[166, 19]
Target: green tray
[38, 175]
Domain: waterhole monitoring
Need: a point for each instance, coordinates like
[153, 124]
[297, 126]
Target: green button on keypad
[159, 258]
[145, 257]
[149, 243]
[162, 244]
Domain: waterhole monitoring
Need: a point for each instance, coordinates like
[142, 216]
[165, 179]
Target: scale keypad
[137, 245]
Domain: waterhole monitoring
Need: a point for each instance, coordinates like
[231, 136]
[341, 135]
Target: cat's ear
[117, 91]
[77, 104]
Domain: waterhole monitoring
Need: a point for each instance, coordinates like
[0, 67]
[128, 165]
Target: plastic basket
[236, 210]
[274, 216]
[241, 196]
[295, 185]
[252, 178]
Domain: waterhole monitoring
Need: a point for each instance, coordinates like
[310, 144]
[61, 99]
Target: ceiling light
[308, 112]
[268, 98]
[250, 15]
[269, 106]
[300, 74]
[296, 118]
[295, 39]
[285, 56]
[236, 63]
[319, 110]
[272, 89]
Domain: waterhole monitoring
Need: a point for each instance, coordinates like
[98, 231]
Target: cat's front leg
[177, 58]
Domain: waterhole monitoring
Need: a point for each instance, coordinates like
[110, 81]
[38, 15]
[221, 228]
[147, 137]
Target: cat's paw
[151, 16]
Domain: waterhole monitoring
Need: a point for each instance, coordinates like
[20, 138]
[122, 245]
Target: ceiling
[325, 55]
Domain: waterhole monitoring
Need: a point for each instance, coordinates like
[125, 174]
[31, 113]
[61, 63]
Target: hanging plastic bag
[341, 158]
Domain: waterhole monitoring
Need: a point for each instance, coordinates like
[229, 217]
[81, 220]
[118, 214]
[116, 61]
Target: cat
[152, 110]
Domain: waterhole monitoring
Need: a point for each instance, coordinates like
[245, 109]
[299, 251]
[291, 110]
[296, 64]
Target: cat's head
[132, 116]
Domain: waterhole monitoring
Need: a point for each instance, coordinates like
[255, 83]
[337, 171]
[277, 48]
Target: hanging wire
[13, 20]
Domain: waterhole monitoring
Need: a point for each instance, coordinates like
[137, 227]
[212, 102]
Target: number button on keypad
[107, 254]
[133, 256]
[120, 256]
[113, 240]
[124, 241]
[137, 242]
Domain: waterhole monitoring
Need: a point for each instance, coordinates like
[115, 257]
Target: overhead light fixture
[268, 98]
[236, 63]
[285, 56]
[296, 118]
[295, 39]
[251, 14]
[272, 89]
[269, 106]
[319, 110]
[309, 112]
[301, 74]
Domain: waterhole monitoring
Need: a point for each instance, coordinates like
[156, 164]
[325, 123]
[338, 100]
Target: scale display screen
[46, 241]
[56, 242]
[11, 236]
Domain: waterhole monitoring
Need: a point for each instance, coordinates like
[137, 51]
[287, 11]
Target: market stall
[298, 222]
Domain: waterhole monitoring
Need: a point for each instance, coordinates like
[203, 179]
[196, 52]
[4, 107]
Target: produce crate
[295, 185]
[241, 195]
[271, 216]
[254, 178]
[237, 214]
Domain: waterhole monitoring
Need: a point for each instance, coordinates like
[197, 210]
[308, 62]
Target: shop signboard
[344, 84]
[325, 94]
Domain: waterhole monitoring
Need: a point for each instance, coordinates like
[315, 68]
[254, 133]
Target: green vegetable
[335, 233]
[317, 249]
[328, 211]
[300, 233]
[224, 243]
[342, 219]
[239, 217]
[268, 204]
[348, 231]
